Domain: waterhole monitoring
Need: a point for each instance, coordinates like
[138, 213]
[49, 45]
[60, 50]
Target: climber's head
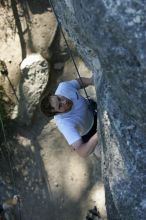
[55, 104]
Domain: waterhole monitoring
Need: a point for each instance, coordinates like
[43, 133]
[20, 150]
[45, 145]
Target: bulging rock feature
[34, 78]
[110, 37]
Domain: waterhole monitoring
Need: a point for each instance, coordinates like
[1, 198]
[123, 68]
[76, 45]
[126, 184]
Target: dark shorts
[92, 131]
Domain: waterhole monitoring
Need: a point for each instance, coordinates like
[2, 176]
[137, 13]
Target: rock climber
[73, 115]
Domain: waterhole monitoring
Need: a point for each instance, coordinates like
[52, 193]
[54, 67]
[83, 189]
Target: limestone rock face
[111, 37]
[34, 78]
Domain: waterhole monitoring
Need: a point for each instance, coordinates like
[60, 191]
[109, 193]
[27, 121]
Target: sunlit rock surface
[34, 78]
[111, 37]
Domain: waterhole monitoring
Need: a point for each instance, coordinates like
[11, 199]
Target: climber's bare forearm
[84, 81]
[85, 149]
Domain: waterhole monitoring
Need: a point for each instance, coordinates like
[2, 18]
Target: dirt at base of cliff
[35, 161]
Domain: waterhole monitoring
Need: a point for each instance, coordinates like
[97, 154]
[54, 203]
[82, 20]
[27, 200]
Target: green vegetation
[2, 107]
[4, 72]
[3, 68]
[3, 114]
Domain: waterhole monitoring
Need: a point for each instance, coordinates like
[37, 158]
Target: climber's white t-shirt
[79, 120]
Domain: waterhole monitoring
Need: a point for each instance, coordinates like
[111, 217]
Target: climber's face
[60, 104]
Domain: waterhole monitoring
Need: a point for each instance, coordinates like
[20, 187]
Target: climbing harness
[91, 106]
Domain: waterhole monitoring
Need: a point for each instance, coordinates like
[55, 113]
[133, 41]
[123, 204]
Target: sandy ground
[54, 182]
[36, 161]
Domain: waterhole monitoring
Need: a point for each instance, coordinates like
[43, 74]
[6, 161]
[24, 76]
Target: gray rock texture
[111, 37]
[34, 78]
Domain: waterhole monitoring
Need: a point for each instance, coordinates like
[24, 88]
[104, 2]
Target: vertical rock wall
[111, 37]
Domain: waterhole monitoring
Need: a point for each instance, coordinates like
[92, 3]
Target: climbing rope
[4, 72]
[10, 164]
[13, 88]
[69, 50]
[5, 141]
